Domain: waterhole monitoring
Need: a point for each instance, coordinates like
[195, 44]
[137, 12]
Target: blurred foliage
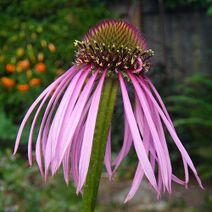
[6, 126]
[23, 189]
[207, 204]
[36, 46]
[196, 4]
[192, 109]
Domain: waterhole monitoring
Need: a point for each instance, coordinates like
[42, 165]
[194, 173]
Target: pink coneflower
[113, 50]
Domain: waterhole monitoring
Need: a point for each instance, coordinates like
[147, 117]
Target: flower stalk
[107, 104]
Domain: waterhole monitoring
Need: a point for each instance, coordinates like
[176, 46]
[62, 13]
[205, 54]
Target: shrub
[23, 189]
[192, 107]
[36, 45]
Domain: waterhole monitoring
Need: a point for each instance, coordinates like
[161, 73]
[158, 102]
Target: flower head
[115, 45]
[114, 49]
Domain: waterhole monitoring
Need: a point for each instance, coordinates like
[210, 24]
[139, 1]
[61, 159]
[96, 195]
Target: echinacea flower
[113, 49]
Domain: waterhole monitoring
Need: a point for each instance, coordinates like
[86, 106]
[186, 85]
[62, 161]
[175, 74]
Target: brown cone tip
[114, 45]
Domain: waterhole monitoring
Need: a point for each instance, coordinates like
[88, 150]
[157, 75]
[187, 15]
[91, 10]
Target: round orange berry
[35, 82]
[23, 87]
[7, 82]
[40, 67]
[24, 64]
[10, 68]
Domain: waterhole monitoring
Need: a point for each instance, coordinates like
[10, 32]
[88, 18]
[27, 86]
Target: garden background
[36, 46]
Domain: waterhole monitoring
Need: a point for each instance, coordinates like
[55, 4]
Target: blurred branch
[134, 13]
[163, 30]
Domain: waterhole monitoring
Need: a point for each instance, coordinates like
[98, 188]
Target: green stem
[104, 117]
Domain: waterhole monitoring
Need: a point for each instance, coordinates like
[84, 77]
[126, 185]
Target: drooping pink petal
[171, 126]
[66, 165]
[89, 133]
[77, 143]
[159, 127]
[35, 119]
[136, 182]
[75, 152]
[139, 147]
[125, 147]
[173, 134]
[185, 165]
[50, 140]
[177, 180]
[68, 155]
[70, 128]
[161, 133]
[35, 103]
[144, 128]
[34, 122]
[64, 113]
[139, 115]
[45, 121]
[158, 147]
[128, 137]
[160, 101]
[66, 107]
[153, 159]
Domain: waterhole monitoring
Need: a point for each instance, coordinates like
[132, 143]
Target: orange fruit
[35, 82]
[23, 87]
[7, 82]
[10, 68]
[40, 67]
[24, 64]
